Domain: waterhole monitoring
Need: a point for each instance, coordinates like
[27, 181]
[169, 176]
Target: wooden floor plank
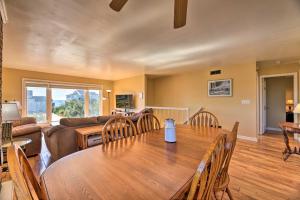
[257, 170]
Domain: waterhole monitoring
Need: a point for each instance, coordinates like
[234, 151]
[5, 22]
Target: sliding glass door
[49, 102]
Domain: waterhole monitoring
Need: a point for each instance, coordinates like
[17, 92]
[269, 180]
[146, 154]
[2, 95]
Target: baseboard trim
[273, 129]
[242, 137]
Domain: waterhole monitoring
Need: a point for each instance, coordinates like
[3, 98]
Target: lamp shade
[10, 112]
[290, 102]
[18, 104]
[297, 109]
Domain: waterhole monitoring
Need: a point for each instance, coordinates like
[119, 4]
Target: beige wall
[187, 89]
[134, 85]
[149, 97]
[12, 83]
[190, 90]
[271, 69]
[278, 90]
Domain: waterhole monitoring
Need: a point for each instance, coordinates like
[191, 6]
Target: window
[36, 103]
[67, 103]
[51, 101]
[94, 98]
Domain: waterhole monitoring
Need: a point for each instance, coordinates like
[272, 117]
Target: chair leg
[223, 194]
[215, 195]
[229, 193]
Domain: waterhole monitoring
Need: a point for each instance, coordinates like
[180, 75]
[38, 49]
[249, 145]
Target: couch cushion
[24, 121]
[71, 122]
[25, 129]
[48, 131]
[104, 119]
[135, 117]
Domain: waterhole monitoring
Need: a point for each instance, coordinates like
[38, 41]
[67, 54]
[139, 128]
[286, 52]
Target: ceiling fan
[180, 10]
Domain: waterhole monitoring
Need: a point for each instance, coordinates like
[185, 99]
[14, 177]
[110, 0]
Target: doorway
[278, 97]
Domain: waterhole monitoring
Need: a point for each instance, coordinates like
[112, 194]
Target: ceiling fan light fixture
[117, 5]
[180, 13]
[180, 10]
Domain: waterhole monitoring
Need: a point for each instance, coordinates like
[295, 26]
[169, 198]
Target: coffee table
[18, 141]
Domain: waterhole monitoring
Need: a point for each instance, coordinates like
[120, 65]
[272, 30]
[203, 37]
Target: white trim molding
[242, 137]
[262, 115]
[273, 129]
[167, 108]
[3, 12]
[48, 85]
[61, 83]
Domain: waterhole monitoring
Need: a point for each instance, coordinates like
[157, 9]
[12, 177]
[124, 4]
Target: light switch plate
[245, 101]
[141, 95]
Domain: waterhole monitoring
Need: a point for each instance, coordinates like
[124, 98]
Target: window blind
[61, 85]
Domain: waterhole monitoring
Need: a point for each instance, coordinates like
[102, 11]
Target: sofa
[61, 140]
[27, 127]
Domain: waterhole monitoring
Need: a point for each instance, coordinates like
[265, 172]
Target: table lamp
[290, 104]
[18, 104]
[10, 113]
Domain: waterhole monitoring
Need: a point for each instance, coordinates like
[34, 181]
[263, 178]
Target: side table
[84, 133]
[22, 142]
[289, 127]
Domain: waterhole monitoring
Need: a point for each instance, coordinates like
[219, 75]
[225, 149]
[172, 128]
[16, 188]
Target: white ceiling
[86, 38]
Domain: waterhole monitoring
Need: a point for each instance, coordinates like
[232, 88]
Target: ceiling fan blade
[117, 5]
[180, 13]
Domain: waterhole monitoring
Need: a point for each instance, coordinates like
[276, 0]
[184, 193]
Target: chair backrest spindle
[147, 123]
[117, 128]
[229, 149]
[206, 174]
[204, 119]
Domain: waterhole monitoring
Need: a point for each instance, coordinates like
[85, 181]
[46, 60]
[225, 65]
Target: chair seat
[221, 185]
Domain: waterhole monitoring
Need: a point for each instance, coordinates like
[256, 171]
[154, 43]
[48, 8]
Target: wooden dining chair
[223, 177]
[147, 123]
[117, 128]
[204, 119]
[189, 120]
[26, 186]
[206, 174]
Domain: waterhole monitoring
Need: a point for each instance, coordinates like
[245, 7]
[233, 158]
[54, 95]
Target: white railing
[180, 115]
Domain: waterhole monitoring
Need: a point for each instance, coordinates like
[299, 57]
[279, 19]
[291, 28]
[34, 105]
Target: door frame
[262, 115]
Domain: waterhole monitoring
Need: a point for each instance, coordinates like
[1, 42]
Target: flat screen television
[124, 101]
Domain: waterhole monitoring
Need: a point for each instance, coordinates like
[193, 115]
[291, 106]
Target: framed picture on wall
[220, 88]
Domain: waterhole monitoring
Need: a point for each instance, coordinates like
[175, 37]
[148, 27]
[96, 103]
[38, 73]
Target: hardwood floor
[257, 170]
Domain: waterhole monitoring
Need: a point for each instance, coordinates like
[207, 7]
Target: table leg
[287, 151]
[85, 142]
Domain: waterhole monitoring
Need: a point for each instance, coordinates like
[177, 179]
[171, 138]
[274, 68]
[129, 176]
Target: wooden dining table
[139, 167]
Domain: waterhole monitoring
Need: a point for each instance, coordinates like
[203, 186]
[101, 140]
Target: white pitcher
[170, 130]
